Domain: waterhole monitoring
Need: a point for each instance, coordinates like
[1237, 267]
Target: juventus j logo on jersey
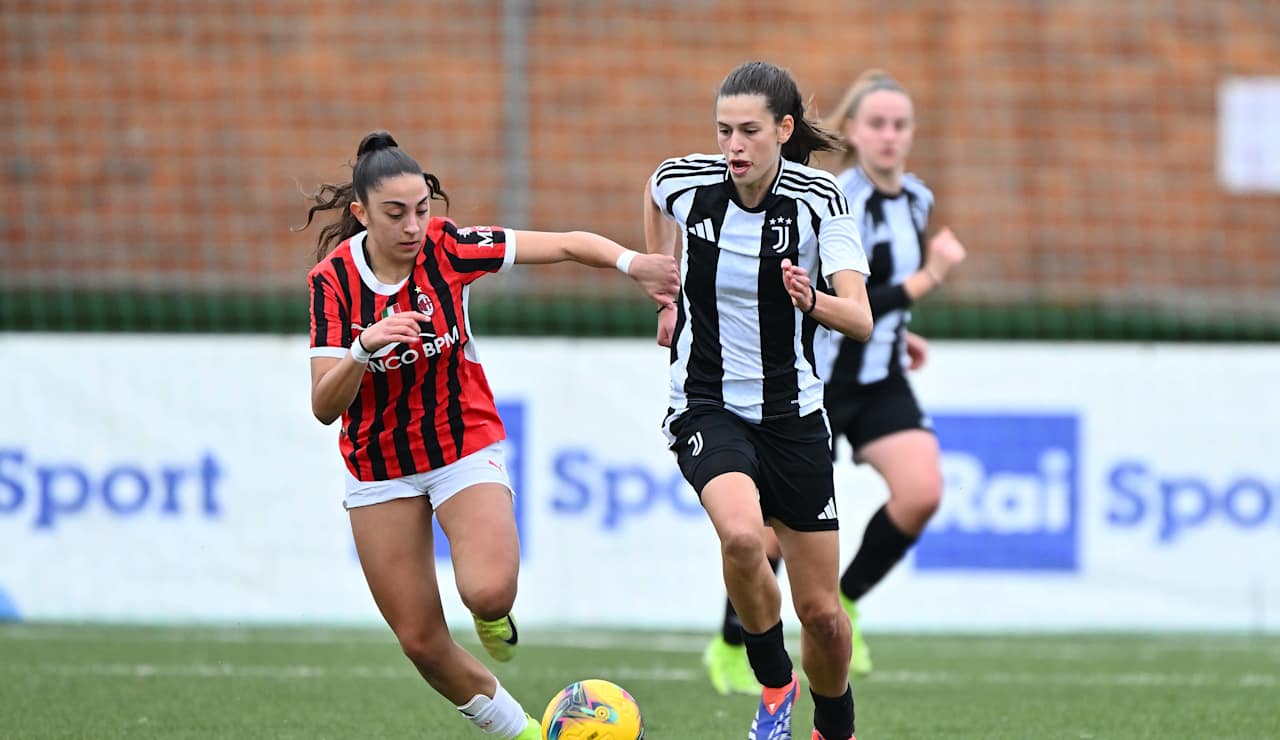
[696, 443]
[782, 230]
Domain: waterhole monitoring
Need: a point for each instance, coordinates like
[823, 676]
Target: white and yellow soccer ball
[593, 709]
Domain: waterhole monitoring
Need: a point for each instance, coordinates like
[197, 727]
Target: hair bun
[374, 141]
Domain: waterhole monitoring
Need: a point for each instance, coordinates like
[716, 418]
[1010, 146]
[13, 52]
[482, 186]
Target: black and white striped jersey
[892, 228]
[739, 342]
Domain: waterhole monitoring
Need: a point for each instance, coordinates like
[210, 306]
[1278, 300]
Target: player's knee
[429, 649]
[822, 618]
[489, 601]
[742, 548]
[920, 499]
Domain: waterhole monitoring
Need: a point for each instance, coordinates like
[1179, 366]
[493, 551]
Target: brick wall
[1071, 145]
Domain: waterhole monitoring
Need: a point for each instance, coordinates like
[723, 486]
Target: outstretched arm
[654, 272]
[660, 237]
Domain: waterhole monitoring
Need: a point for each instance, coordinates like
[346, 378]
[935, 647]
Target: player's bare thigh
[480, 523]
[394, 542]
[910, 463]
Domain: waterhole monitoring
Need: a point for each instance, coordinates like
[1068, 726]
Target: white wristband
[359, 353]
[624, 261]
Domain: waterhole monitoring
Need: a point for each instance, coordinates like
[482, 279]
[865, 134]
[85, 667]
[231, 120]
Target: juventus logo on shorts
[696, 443]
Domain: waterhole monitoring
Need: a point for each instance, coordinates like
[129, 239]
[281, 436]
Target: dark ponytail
[782, 97]
[377, 158]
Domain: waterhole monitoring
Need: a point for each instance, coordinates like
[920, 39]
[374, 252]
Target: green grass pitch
[71, 681]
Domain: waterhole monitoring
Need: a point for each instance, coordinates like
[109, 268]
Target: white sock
[501, 716]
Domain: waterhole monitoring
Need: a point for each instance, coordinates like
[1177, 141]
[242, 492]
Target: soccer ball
[593, 709]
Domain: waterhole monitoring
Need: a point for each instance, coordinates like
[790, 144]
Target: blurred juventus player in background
[868, 398]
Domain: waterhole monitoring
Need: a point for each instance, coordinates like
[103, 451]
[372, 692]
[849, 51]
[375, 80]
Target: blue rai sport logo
[1011, 498]
[513, 419]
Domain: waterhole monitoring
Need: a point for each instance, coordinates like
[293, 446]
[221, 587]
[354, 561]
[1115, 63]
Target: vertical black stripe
[848, 364]
[320, 331]
[776, 313]
[705, 381]
[355, 412]
[904, 315]
[851, 354]
[344, 302]
[681, 320]
[809, 328]
[430, 401]
[408, 372]
[377, 463]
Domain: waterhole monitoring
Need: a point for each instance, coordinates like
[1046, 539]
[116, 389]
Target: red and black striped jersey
[420, 407]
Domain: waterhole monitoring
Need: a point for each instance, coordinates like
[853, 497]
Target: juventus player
[868, 397]
[867, 393]
[770, 256]
[392, 354]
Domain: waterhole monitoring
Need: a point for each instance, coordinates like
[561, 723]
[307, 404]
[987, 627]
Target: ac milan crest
[425, 306]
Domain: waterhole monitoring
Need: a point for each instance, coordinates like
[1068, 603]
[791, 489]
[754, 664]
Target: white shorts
[487, 465]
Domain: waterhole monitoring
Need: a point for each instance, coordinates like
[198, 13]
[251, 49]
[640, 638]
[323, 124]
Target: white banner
[1088, 487]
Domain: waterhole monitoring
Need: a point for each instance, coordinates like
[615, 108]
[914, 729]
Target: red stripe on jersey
[422, 406]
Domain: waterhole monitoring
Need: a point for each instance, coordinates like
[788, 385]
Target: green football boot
[860, 658]
[728, 668]
[498, 637]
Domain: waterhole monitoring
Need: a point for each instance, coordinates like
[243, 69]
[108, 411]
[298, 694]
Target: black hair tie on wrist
[813, 300]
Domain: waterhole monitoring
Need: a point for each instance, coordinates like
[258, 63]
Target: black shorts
[865, 413]
[789, 458]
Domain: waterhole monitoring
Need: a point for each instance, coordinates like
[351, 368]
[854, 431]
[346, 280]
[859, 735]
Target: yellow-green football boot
[728, 668]
[498, 637]
[860, 658]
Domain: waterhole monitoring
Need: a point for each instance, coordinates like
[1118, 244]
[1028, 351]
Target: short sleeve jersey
[420, 406]
[739, 341]
[892, 228]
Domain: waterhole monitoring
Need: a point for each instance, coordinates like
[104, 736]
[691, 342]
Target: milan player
[393, 356]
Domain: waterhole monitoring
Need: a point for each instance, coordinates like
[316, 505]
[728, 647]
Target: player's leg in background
[813, 560]
[725, 657]
[910, 464]
[394, 542]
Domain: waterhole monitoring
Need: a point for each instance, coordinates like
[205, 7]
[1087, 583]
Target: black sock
[768, 656]
[833, 716]
[731, 628]
[883, 545]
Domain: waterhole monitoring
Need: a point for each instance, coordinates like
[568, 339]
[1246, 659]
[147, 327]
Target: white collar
[366, 272]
